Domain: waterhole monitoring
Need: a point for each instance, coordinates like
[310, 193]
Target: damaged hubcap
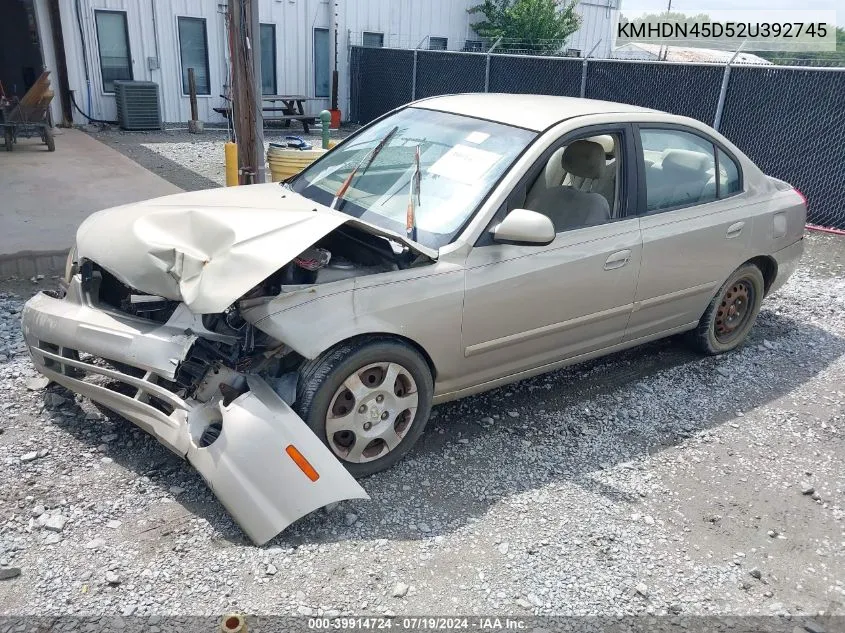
[734, 310]
[371, 412]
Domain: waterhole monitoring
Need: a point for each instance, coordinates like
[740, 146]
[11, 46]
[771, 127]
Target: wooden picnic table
[292, 108]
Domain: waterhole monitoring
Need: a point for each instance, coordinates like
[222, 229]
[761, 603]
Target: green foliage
[541, 25]
[818, 58]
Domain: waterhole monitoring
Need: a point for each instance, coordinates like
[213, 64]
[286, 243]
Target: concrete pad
[44, 196]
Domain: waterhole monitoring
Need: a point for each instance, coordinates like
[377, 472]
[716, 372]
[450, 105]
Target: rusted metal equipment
[30, 115]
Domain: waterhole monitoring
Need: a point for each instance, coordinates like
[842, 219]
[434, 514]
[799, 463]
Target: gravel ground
[190, 161]
[653, 481]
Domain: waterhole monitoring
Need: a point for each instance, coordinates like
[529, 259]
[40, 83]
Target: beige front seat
[606, 183]
[567, 206]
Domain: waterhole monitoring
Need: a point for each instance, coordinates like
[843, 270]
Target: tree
[817, 58]
[538, 25]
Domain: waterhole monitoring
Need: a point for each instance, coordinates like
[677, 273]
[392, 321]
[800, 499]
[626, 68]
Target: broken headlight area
[113, 294]
[225, 352]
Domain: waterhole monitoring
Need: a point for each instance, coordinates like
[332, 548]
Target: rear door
[694, 223]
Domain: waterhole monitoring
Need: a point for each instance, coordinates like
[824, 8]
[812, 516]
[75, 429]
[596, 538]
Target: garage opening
[28, 46]
[21, 59]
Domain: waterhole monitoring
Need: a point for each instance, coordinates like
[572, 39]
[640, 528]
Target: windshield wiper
[414, 198]
[368, 159]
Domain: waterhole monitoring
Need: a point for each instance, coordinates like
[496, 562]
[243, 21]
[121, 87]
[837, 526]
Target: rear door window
[680, 169]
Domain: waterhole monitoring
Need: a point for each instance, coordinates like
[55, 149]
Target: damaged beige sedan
[289, 338]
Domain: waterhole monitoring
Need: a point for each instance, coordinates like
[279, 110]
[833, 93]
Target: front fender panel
[250, 471]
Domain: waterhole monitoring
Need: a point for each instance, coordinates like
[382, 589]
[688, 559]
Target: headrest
[584, 159]
[607, 143]
[684, 162]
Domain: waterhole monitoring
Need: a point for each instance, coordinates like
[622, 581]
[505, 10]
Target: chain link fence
[791, 122]
[788, 120]
[688, 89]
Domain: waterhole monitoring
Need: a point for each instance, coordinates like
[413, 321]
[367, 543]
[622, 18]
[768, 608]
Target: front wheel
[732, 312]
[368, 401]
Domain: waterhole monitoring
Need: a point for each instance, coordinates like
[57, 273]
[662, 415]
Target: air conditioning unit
[137, 105]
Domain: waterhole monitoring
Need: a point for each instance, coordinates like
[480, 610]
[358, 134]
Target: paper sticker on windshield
[464, 164]
[477, 137]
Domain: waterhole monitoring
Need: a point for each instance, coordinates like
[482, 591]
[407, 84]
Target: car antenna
[414, 199]
[368, 159]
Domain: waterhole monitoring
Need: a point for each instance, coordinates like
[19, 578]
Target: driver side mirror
[522, 226]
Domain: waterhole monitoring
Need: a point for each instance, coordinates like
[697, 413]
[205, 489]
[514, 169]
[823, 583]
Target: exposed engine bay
[342, 254]
[228, 347]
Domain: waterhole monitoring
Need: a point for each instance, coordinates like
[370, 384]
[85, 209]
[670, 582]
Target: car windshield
[375, 174]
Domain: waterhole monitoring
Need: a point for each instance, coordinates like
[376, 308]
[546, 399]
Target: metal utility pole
[246, 92]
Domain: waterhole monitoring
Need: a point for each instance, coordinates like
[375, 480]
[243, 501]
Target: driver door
[527, 306]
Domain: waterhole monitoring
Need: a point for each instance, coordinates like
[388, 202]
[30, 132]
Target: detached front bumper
[261, 460]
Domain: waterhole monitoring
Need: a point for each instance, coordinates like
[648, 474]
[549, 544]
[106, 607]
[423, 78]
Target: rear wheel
[49, 140]
[368, 401]
[731, 315]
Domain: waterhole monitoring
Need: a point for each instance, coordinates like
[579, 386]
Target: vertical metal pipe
[487, 68]
[487, 74]
[584, 78]
[723, 92]
[414, 78]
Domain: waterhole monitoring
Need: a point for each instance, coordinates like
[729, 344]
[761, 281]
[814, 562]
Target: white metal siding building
[154, 40]
[597, 34]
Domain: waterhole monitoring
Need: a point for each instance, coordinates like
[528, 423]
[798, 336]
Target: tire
[352, 425]
[720, 329]
[49, 140]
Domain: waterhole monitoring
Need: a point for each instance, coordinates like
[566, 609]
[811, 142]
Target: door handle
[618, 259]
[734, 229]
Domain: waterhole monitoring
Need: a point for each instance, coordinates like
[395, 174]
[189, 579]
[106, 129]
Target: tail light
[803, 197]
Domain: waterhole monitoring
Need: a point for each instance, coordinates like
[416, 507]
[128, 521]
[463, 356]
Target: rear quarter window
[729, 181]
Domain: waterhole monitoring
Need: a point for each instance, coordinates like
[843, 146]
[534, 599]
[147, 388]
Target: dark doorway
[21, 61]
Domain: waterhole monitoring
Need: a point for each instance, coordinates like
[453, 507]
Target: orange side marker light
[304, 465]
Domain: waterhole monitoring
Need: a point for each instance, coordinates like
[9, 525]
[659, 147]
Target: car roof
[534, 112]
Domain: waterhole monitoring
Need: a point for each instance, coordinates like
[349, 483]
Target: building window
[437, 43]
[321, 62]
[193, 50]
[268, 59]
[373, 40]
[473, 46]
[113, 40]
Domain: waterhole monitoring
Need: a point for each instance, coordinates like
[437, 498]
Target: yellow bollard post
[231, 150]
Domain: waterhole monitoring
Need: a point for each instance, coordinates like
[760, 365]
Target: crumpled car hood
[207, 248]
